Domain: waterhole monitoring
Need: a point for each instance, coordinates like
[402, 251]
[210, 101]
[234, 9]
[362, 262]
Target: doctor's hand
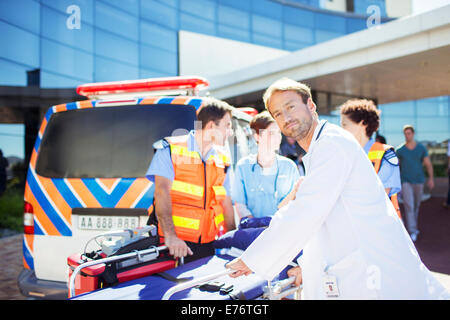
[177, 247]
[297, 272]
[292, 194]
[240, 267]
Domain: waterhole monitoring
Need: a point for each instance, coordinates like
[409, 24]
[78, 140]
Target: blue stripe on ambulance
[147, 199]
[56, 220]
[66, 193]
[107, 200]
[27, 255]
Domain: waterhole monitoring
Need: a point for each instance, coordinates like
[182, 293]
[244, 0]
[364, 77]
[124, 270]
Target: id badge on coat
[330, 286]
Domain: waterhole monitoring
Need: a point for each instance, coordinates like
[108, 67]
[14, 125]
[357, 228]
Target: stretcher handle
[135, 253]
[193, 283]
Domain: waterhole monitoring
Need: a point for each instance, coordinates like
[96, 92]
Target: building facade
[78, 41]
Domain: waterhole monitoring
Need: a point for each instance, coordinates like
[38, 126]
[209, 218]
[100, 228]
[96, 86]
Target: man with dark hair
[413, 156]
[192, 203]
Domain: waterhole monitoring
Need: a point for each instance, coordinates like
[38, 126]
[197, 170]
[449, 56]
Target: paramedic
[192, 197]
[355, 246]
[264, 179]
[361, 118]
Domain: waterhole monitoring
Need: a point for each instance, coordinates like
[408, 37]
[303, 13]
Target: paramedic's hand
[297, 272]
[291, 195]
[240, 267]
[177, 247]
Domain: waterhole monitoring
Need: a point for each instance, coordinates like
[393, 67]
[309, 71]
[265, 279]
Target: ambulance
[87, 169]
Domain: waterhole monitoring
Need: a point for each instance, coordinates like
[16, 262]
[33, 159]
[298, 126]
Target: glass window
[354, 24]
[398, 109]
[51, 80]
[107, 142]
[22, 13]
[266, 26]
[200, 8]
[432, 124]
[86, 8]
[322, 36]
[65, 60]
[114, 20]
[55, 29]
[159, 13]
[144, 73]
[233, 33]
[116, 47]
[395, 124]
[108, 70]
[243, 5]
[233, 17]
[267, 41]
[438, 106]
[393, 139]
[267, 8]
[298, 34]
[191, 23]
[294, 46]
[158, 36]
[12, 74]
[330, 22]
[299, 17]
[131, 6]
[159, 60]
[25, 51]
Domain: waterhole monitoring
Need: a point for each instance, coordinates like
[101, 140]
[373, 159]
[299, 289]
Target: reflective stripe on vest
[187, 223]
[187, 188]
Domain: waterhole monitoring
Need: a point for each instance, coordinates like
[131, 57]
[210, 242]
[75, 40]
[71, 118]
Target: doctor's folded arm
[354, 245]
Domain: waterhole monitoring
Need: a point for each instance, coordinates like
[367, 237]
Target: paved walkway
[433, 246]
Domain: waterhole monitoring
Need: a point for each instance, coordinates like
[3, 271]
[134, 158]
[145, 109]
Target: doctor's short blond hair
[286, 84]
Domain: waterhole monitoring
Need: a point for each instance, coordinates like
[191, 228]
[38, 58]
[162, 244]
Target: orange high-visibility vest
[376, 154]
[197, 192]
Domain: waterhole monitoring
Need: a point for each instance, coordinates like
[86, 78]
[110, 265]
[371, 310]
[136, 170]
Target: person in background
[3, 165]
[264, 179]
[380, 138]
[361, 118]
[192, 203]
[413, 156]
[290, 149]
[447, 203]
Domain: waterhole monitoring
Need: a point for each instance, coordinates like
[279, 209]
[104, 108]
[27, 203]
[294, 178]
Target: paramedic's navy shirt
[254, 186]
[389, 173]
[161, 164]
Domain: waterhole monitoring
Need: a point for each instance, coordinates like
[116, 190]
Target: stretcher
[202, 279]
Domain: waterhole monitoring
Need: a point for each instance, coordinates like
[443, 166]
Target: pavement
[433, 245]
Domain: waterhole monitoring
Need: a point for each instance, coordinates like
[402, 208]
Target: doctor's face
[292, 115]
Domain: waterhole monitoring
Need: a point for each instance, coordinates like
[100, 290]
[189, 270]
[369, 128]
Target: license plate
[106, 223]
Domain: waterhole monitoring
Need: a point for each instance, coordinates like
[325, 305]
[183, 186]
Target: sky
[12, 135]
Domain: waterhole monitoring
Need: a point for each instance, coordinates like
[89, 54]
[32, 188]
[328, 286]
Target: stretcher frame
[277, 291]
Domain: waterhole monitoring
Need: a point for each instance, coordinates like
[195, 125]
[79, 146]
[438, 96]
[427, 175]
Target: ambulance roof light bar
[188, 84]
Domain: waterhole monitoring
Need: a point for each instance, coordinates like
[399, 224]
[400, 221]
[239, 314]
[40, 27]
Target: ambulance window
[108, 142]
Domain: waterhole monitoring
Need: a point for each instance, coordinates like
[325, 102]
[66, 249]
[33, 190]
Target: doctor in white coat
[354, 245]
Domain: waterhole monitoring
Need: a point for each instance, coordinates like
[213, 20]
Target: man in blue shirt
[215, 118]
[264, 179]
[413, 156]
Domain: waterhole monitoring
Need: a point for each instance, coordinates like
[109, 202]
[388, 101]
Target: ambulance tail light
[28, 218]
[191, 84]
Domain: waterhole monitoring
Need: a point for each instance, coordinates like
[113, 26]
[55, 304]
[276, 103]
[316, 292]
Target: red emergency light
[144, 85]
[248, 110]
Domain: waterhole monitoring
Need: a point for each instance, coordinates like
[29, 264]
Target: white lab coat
[347, 226]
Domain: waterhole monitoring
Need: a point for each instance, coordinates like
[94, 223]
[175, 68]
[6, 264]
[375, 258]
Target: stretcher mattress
[154, 287]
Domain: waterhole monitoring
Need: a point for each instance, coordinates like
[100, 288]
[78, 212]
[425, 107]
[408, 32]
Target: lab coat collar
[317, 132]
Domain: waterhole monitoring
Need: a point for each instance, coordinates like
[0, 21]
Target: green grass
[11, 209]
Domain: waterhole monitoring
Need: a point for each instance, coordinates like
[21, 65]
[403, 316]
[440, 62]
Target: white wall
[208, 56]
